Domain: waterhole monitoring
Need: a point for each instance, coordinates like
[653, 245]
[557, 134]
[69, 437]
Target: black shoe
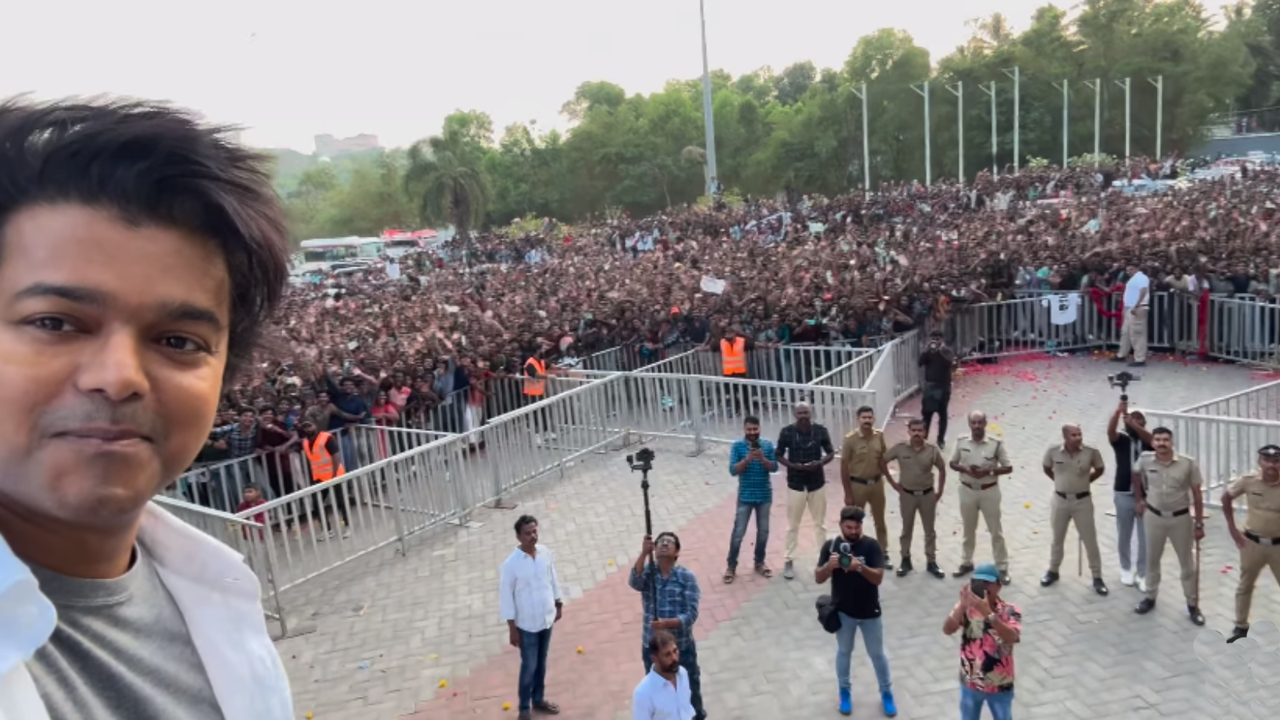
[1197, 617]
[1005, 578]
[963, 570]
[1049, 578]
[905, 567]
[942, 444]
[1100, 587]
[1119, 359]
[887, 565]
[935, 571]
[1145, 606]
[1135, 363]
[1238, 633]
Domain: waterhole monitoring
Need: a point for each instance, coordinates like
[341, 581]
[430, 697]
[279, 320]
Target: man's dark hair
[247, 409]
[852, 514]
[154, 165]
[750, 420]
[674, 538]
[659, 641]
[524, 520]
[1162, 431]
[865, 409]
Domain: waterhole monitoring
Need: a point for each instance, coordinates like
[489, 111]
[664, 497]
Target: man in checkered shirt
[674, 590]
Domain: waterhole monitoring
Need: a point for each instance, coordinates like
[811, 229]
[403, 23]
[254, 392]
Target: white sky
[288, 70]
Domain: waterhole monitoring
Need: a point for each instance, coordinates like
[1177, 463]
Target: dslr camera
[642, 460]
[845, 551]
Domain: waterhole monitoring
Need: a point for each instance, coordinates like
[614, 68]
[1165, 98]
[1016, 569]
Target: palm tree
[445, 174]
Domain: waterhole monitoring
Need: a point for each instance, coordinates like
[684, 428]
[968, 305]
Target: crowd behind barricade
[440, 341]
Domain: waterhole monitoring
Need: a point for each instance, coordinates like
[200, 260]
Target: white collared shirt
[220, 599]
[657, 699]
[1133, 290]
[528, 589]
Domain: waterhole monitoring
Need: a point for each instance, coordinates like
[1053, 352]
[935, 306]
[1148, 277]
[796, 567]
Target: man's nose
[116, 370]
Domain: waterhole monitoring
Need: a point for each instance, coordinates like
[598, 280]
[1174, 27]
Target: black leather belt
[1072, 496]
[918, 493]
[864, 481]
[1175, 513]
[1261, 540]
[988, 486]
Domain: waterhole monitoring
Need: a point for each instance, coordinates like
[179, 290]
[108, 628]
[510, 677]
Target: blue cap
[987, 572]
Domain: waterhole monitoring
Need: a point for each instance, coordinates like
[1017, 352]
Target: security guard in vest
[733, 363]
[324, 459]
[981, 461]
[535, 389]
[1073, 466]
[1259, 542]
[1169, 489]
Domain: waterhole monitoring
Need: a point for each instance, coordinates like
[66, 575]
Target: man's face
[247, 419]
[1162, 443]
[668, 659]
[1073, 438]
[348, 387]
[308, 430]
[916, 430]
[112, 354]
[752, 432]
[529, 535]
[1270, 468]
[978, 425]
[851, 530]
[323, 399]
[866, 420]
[666, 547]
[803, 415]
[252, 495]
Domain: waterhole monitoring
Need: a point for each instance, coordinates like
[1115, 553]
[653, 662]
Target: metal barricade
[1244, 329]
[1256, 403]
[1223, 447]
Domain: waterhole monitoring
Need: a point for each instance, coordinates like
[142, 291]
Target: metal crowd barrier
[1256, 403]
[1223, 447]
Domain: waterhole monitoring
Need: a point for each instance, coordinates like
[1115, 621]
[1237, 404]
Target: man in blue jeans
[751, 460]
[529, 600]
[855, 565]
[989, 628]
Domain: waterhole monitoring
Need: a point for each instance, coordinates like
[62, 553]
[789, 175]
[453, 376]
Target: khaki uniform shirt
[1071, 471]
[1168, 487]
[863, 454]
[989, 454]
[1263, 500]
[915, 467]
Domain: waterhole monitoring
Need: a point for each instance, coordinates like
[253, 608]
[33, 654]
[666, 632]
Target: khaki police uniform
[1072, 502]
[981, 496]
[862, 455]
[915, 475]
[1168, 518]
[1262, 537]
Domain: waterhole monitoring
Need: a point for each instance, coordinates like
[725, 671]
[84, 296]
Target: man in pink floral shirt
[989, 629]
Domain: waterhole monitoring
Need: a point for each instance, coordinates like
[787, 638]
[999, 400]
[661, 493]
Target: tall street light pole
[1066, 106]
[995, 154]
[713, 179]
[1158, 81]
[1017, 94]
[923, 89]
[1096, 84]
[1127, 84]
[958, 91]
[866, 143]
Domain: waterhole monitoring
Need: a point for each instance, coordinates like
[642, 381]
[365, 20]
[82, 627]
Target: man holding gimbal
[938, 362]
[674, 590]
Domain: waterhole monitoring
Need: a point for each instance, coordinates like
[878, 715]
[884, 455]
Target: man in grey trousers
[1129, 439]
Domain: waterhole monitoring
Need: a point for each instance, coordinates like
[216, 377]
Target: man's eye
[182, 344]
[51, 324]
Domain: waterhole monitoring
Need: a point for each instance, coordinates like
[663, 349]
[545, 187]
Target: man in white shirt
[1133, 332]
[529, 600]
[140, 254]
[664, 693]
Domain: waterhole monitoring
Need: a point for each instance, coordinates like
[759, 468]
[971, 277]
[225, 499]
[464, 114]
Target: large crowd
[795, 269]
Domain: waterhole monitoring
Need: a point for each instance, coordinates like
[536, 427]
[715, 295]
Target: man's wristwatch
[1199, 524]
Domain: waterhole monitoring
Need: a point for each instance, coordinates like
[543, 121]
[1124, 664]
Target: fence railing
[1257, 403]
[1223, 447]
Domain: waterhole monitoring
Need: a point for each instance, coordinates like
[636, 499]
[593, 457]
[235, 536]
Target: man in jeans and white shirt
[529, 600]
[1133, 333]
[665, 693]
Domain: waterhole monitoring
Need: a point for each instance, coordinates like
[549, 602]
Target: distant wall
[1239, 145]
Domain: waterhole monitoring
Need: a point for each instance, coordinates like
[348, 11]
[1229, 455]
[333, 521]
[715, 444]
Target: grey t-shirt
[121, 651]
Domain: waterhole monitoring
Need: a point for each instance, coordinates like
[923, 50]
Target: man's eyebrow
[179, 312]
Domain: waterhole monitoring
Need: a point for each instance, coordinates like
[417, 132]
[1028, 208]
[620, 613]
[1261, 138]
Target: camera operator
[751, 460]
[991, 627]
[1129, 444]
[938, 362]
[675, 591]
[855, 565]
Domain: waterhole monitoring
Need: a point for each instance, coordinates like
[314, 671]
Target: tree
[445, 173]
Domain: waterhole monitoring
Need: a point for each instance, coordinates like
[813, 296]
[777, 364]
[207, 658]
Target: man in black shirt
[855, 565]
[938, 361]
[1129, 444]
[804, 448]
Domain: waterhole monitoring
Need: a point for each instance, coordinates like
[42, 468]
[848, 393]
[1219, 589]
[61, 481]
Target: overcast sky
[288, 70]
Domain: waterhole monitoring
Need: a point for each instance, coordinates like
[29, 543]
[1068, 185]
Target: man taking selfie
[989, 628]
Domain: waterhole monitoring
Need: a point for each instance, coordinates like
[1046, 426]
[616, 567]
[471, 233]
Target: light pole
[923, 89]
[1066, 106]
[866, 144]
[995, 154]
[713, 179]
[1096, 84]
[1017, 93]
[1159, 83]
[958, 91]
[1127, 84]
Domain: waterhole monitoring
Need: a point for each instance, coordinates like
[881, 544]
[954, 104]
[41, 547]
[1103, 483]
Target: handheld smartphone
[754, 444]
[978, 587]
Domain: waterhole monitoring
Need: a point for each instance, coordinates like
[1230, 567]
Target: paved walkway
[419, 636]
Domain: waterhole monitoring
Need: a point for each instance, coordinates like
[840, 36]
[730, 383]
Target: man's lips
[103, 434]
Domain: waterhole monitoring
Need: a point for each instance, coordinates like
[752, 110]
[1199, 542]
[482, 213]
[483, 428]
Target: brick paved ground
[391, 629]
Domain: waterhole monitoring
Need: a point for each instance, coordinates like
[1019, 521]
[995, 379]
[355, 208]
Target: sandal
[549, 708]
[764, 571]
[729, 575]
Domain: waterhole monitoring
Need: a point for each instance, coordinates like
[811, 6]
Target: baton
[1079, 555]
[1197, 579]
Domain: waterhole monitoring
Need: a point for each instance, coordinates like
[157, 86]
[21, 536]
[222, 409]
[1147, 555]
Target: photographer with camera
[751, 460]
[991, 627]
[676, 596]
[1129, 444]
[938, 362]
[855, 565]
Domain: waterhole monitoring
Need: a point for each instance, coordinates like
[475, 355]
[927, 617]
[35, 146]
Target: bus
[402, 242]
[331, 250]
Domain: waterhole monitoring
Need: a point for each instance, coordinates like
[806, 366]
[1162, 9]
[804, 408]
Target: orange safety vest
[323, 465]
[733, 356]
[535, 386]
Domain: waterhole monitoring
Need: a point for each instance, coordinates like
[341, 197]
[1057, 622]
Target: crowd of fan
[803, 269]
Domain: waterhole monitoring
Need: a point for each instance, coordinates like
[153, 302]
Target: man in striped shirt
[673, 589]
[751, 460]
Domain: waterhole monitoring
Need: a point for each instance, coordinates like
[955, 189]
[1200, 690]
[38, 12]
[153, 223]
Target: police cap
[1271, 452]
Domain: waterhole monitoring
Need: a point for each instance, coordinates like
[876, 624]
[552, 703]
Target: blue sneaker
[846, 702]
[890, 708]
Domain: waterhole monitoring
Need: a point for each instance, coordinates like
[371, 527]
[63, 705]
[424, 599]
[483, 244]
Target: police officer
[861, 467]
[1169, 489]
[917, 460]
[1259, 543]
[981, 461]
[1073, 466]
